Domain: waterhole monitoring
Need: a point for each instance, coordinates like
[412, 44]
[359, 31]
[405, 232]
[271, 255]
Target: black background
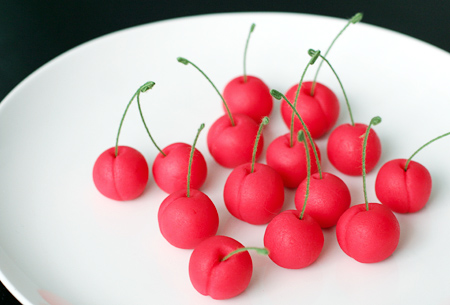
[33, 32]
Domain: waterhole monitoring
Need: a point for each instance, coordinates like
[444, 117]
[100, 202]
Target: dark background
[35, 31]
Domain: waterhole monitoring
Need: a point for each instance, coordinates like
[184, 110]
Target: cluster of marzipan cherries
[254, 192]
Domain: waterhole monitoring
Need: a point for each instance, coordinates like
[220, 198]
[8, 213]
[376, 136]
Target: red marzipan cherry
[251, 97]
[403, 191]
[122, 177]
[231, 145]
[290, 161]
[121, 172]
[248, 94]
[329, 197]
[292, 242]
[212, 276]
[170, 170]
[405, 185]
[345, 145]
[187, 216]
[230, 137]
[186, 221]
[368, 232]
[320, 111]
[254, 197]
[368, 236]
[254, 192]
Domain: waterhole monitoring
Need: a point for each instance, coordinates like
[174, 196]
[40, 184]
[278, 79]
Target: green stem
[342, 87]
[355, 19]
[186, 62]
[301, 138]
[374, 121]
[245, 51]
[145, 87]
[191, 157]
[264, 121]
[262, 251]
[311, 62]
[423, 146]
[278, 95]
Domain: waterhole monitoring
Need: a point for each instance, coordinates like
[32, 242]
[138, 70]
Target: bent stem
[264, 122]
[355, 19]
[310, 63]
[374, 121]
[278, 95]
[423, 146]
[184, 61]
[301, 138]
[145, 87]
[252, 27]
[191, 157]
[262, 251]
[342, 87]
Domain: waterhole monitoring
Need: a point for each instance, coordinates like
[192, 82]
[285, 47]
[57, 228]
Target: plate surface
[61, 242]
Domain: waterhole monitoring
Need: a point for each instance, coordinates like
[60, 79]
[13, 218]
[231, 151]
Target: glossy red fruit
[344, 149]
[220, 279]
[290, 162]
[255, 197]
[170, 171]
[292, 242]
[232, 145]
[123, 177]
[320, 112]
[186, 221]
[403, 191]
[251, 98]
[328, 199]
[368, 236]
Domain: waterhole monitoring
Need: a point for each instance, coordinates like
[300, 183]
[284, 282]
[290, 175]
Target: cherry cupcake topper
[247, 94]
[221, 267]
[405, 185]
[121, 172]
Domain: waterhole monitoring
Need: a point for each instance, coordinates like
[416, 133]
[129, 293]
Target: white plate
[61, 242]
